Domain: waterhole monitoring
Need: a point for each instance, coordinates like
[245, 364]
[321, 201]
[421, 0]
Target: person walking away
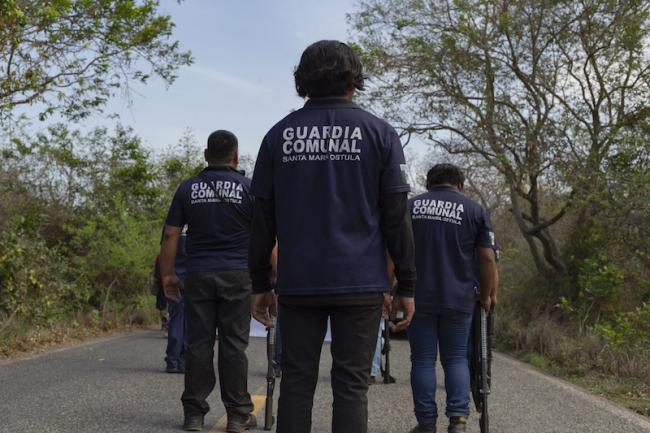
[217, 207]
[175, 352]
[328, 182]
[451, 233]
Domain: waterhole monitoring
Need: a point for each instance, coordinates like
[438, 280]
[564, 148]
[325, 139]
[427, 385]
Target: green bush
[37, 282]
[627, 337]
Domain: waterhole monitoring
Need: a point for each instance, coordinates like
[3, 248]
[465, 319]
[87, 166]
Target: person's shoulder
[374, 120]
[471, 206]
[186, 184]
[241, 178]
[421, 196]
[287, 121]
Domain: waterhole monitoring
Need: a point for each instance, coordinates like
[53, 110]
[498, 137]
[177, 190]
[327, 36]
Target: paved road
[117, 385]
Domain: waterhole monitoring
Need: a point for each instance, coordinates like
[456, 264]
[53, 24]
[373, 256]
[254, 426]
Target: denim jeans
[176, 335]
[376, 359]
[450, 331]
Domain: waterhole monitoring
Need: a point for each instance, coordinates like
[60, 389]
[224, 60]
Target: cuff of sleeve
[396, 189]
[261, 286]
[406, 289]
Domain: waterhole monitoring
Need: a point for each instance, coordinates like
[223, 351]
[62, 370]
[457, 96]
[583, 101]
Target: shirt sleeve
[398, 237]
[176, 215]
[393, 176]
[485, 237]
[262, 184]
[247, 202]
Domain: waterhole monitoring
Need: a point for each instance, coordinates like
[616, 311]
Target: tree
[72, 55]
[542, 91]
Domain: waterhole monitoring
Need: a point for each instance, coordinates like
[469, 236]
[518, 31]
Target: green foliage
[72, 55]
[80, 225]
[628, 331]
[599, 280]
[37, 282]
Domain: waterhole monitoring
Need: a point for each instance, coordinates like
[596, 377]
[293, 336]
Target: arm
[398, 235]
[262, 243]
[171, 283]
[274, 265]
[488, 275]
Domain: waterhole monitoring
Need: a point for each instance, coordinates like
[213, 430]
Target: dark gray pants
[217, 300]
[354, 334]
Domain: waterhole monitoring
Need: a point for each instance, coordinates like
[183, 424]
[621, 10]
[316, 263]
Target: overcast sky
[245, 52]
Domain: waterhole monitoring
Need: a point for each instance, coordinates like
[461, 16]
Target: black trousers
[354, 336]
[217, 300]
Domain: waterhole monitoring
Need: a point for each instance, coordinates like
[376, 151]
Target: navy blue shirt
[180, 262]
[216, 218]
[325, 167]
[448, 228]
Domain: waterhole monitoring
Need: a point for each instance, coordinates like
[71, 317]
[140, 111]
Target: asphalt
[118, 385]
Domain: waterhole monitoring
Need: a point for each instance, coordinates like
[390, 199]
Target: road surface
[117, 385]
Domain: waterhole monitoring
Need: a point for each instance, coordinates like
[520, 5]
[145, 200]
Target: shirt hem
[330, 290]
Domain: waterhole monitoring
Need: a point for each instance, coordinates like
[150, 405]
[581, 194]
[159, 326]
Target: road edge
[608, 405]
[77, 344]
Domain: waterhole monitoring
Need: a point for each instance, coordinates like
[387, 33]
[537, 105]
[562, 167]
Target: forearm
[262, 242]
[398, 236]
[168, 250]
[488, 276]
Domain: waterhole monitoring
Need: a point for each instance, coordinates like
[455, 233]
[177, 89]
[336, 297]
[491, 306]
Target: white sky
[245, 52]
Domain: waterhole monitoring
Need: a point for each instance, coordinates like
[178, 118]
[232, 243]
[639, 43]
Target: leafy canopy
[72, 55]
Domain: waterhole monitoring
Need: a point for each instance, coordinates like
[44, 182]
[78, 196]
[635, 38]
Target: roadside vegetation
[546, 105]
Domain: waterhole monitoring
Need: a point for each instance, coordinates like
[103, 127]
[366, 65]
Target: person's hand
[385, 309]
[408, 306]
[486, 301]
[172, 287]
[493, 299]
[264, 307]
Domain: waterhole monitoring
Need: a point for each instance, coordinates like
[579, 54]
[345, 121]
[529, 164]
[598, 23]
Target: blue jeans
[376, 359]
[449, 330]
[176, 335]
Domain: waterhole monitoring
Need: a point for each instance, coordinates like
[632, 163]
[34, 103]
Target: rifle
[481, 362]
[270, 375]
[386, 352]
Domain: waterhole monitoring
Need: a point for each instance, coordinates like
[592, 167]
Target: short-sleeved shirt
[325, 166]
[218, 219]
[448, 228]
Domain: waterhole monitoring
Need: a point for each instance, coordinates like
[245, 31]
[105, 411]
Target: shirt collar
[444, 188]
[223, 168]
[330, 102]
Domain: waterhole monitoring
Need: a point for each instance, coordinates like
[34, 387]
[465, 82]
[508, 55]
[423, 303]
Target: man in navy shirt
[217, 207]
[328, 183]
[453, 239]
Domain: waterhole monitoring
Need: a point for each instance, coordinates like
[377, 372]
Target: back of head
[445, 174]
[222, 147]
[328, 68]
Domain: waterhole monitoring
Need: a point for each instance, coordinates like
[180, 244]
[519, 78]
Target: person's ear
[235, 158]
[205, 155]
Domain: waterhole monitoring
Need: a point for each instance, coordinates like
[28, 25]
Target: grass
[22, 338]
[630, 392]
